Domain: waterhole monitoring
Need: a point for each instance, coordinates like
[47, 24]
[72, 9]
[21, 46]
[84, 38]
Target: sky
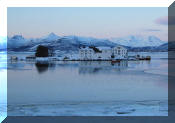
[98, 22]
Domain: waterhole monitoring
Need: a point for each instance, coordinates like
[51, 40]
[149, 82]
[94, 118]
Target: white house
[86, 53]
[103, 53]
[120, 52]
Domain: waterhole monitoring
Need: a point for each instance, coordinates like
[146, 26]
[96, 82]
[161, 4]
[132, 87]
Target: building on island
[103, 53]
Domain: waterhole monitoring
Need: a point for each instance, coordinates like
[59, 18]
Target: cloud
[152, 30]
[165, 20]
[162, 20]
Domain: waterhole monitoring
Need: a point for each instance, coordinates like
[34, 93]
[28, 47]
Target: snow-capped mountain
[49, 38]
[89, 41]
[52, 36]
[66, 43]
[16, 41]
[72, 43]
[138, 41]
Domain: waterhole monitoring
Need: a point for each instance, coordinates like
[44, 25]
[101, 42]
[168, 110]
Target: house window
[118, 52]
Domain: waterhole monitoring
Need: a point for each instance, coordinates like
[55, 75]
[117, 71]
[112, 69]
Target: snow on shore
[140, 108]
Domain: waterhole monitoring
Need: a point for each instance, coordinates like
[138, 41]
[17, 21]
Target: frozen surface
[120, 108]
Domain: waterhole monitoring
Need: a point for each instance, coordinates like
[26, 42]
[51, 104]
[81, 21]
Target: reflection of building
[44, 66]
[103, 53]
[92, 67]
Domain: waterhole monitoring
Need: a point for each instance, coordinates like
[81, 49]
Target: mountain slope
[72, 43]
[138, 41]
[52, 36]
[16, 41]
[65, 43]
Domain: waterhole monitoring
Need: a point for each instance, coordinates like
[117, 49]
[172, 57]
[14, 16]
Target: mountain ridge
[72, 43]
[138, 41]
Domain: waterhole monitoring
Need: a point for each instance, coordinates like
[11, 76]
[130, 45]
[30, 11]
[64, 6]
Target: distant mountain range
[138, 41]
[72, 43]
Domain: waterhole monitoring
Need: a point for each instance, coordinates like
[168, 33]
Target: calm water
[89, 88]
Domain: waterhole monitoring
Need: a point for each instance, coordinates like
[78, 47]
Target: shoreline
[85, 108]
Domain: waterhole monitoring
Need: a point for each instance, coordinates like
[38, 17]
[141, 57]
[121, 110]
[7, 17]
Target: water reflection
[84, 67]
[44, 66]
[3, 62]
[15, 65]
[93, 67]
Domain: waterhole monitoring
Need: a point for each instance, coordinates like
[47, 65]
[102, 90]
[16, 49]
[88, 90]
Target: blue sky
[96, 22]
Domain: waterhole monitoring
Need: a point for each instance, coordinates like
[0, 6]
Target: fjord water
[97, 88]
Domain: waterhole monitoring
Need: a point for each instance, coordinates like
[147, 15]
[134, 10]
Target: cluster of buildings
[103, 53]
[89, 53]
